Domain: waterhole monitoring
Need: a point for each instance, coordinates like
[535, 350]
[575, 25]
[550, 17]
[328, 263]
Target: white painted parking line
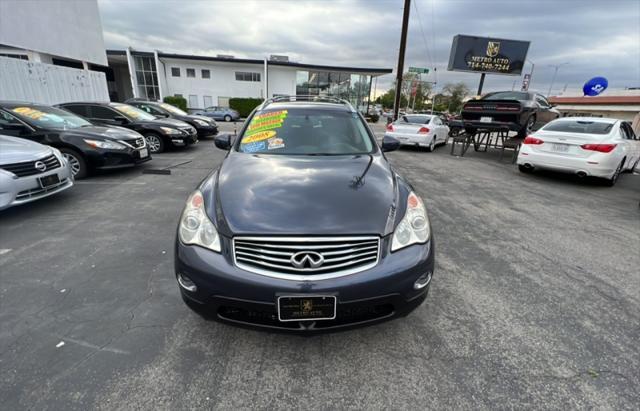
[128, 183]
[4, 250]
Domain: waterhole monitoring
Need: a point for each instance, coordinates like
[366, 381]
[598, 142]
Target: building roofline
[376, 71]
[598, 100]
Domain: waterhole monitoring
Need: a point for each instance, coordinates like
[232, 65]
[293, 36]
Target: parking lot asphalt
[535, 302]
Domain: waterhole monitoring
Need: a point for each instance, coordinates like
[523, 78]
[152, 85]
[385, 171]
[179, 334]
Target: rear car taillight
[532, 140]
[423, 130]
[390, 127]
[603, 148]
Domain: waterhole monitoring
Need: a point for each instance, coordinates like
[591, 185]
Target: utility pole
[555, 73]
[400, 68]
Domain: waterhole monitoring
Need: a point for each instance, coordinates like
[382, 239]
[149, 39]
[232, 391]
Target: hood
[203, 118]
[102, 132]
[17, 150]
[304, 195]
[166, 122]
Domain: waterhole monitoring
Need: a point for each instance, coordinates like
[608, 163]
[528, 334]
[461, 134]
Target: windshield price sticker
[263, 135]
[253, 147]
[29, 112]
[266, 121]
[275, 143]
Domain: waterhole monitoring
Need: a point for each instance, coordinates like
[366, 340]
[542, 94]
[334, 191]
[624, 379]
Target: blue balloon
[595, 86]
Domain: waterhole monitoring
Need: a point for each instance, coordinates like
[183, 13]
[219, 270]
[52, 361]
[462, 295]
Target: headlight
[201, 123]
[58, 154]
[106, 144]
[414, 226]
[195, 226]
[170, 130]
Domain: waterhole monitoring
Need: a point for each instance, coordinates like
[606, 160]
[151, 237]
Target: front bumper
[101, 159]
[605, 167]
[236, 296]
[206, 131]
[183, 139]
[16, 191]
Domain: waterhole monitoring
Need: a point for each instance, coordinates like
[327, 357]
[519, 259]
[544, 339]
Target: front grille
[272, 256]
[136, 144]
[37, 192]
[28, 168]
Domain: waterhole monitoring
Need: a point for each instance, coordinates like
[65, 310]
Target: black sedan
[205, 126]
[86, 146]
[305, 226]
[159, 133]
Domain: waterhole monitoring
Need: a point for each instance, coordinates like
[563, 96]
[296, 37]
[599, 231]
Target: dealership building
[206, 81]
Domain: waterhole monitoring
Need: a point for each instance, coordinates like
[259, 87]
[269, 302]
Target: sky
[596, 38]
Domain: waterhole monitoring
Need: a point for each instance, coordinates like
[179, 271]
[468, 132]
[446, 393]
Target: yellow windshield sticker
[29, 112]
[266, 121]
[262, 135]
[128, 110]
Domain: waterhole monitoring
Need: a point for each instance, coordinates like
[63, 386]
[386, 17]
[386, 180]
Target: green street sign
[419, 70]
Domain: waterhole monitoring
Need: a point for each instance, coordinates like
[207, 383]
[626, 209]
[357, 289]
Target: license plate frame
[144, 153]
[289, 303]
[486, 119]
[48, 181]
[560, 148]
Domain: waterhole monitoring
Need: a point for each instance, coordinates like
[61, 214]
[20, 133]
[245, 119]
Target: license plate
[561, 148]
[144, 153]
[306, 307]
[486, 119]
[49, 181]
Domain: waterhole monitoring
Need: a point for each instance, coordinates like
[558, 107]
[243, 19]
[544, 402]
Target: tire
[524, 169]
[432, 146]
[610, 182]
[524, 131]
[154, 143]
[77, 163]
[227, 118]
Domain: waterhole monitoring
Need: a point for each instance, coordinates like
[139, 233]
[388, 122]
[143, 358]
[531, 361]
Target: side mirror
[390, 144]
[223, 141]
[121, 120]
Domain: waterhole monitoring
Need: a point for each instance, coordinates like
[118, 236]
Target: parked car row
[83, 137]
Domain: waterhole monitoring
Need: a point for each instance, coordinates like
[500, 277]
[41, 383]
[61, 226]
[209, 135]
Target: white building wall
[282, 80]
[65, 28]
[48, 84]
[222, 84]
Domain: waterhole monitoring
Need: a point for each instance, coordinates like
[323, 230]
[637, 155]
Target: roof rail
[319, 99]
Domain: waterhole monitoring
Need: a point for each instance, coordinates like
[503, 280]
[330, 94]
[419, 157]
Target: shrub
[244, 106]
[179, 102]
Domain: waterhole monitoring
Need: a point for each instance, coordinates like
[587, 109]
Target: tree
[423, 91]
[456, 93]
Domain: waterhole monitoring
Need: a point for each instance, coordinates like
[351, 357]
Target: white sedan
[586, 146]
[421, 130]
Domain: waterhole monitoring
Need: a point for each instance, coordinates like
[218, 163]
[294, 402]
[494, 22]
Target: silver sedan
[30, 171]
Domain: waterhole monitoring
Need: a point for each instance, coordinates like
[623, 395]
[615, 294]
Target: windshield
[306, 132]
[50, 117]
[133, 113]
[172, 109]
[416, 119]
[507, 95]
[579, 126]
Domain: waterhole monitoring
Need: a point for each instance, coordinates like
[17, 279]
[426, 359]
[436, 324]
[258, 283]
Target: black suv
[205, 126]
[159, 133]
[85, 146]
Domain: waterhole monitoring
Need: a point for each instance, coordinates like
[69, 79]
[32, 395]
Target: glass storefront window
[146, 77]
[352, 87]
[302, 83]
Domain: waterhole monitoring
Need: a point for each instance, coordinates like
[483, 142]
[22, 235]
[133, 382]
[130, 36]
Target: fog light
[186, 283]
[422, 282]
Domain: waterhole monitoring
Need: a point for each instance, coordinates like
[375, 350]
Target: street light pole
[400, 69]
[555, 73]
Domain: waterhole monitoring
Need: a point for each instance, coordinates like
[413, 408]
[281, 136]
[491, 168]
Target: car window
[150, 109]
[8, 119]
[102, 113]
[299, 131]
[579, 126]
[49, 117]
[173, 109]
[542, 101]
[507, 95]
[416, 119]
[77, 109]
[437, 121]
[624, 133]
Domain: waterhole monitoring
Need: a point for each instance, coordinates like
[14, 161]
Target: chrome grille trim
[270, 256]
[27, 168]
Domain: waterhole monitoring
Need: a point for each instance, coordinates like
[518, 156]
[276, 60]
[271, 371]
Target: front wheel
[76, 162]
[155, 143]
[227, 118]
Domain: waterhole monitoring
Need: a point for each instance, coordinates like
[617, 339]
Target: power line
[424, 38]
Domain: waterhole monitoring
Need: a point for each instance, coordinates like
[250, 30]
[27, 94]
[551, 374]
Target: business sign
[419, 70]
[525, 82]
[595, 86]
[487, 55]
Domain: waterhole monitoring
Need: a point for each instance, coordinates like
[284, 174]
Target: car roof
[19, 103]
[593, 119]
[282, 105]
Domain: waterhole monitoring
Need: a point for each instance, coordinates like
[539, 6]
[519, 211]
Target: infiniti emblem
[40, 166]
[307, 259]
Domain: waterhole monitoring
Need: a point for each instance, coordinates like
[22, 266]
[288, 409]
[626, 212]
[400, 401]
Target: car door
[441, 130]
[545, 113]
[104, 115]
[632, 141]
